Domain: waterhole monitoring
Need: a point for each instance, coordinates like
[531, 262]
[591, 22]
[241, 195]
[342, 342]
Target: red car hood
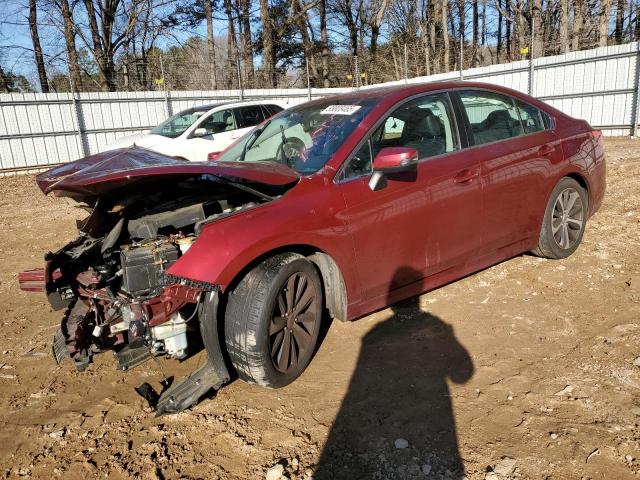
[114, 169]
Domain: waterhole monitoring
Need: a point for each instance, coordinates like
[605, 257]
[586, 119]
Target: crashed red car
[341, 205]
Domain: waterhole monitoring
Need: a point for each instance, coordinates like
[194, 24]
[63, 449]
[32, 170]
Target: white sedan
[200, 133]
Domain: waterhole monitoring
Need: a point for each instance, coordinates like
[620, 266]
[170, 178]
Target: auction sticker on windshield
[341, 109]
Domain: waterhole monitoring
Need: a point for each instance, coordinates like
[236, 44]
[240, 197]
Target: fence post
[461, 54]
[240, 89]
[635, 113]
[306, 61]
[167, 107]
[78, 120]
[531, 68]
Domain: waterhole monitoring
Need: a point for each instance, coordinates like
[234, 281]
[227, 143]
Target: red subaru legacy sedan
[341, 205]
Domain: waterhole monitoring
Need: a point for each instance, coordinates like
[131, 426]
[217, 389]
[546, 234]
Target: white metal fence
[36, 130]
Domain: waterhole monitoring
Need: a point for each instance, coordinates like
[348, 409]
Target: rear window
[532, 118]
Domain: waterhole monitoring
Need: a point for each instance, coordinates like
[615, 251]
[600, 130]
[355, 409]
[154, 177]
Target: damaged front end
[112, 281]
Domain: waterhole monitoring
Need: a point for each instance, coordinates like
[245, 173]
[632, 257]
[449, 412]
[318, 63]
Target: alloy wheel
[293, 322]
[568, 218]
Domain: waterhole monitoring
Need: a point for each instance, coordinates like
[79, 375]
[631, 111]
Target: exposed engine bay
[112, 282]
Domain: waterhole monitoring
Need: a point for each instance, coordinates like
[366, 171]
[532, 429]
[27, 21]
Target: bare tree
[37, 48]
[232, 44]
[70, 44]
[578, 24]
[603, 22]
[4, 84]
[268, 47]
[211, 46]
[619, 31]
[564, 26]
[247, 44]
[324, 42]
[444, 18]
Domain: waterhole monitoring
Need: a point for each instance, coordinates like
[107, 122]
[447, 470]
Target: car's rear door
[515, 146]
[421, 223]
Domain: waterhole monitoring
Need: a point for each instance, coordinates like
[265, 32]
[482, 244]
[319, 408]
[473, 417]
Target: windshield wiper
[254, 136]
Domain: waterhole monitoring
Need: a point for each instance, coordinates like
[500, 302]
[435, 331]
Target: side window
[273, 109]
[492, 116]
[424, 124]
[532, 120]
[360, 163]
[249, 116]
[217, 122]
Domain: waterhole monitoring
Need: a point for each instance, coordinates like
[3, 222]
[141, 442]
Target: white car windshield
[175, 126]
[303, 138]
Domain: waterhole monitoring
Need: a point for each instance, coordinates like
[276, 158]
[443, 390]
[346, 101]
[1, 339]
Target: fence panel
[36, 130]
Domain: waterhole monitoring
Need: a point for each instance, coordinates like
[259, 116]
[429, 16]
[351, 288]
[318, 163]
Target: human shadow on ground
[399, 390]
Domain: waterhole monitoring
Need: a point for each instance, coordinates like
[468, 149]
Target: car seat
[227, 118]
[497, 126]
[424, 131]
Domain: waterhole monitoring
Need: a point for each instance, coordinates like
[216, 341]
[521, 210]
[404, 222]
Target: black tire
[553, 242]
[255, 321]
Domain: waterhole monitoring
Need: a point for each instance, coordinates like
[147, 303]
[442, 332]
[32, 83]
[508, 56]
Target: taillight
[213, 156]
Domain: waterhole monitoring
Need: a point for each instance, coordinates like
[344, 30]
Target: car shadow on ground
[399, 391]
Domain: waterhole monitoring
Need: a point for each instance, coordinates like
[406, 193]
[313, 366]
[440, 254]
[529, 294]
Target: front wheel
[272, 320]
[564, 220]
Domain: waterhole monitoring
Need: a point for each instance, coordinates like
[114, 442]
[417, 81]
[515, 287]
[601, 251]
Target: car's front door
[516, 149]
[220, 127]
[418, 224]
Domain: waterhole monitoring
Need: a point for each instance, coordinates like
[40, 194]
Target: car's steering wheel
[291, 151]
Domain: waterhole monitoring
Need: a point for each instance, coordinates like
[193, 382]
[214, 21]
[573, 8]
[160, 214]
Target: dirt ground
[524, 370]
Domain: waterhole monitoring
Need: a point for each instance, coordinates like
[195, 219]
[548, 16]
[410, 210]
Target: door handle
[465, 176]
[546, 150]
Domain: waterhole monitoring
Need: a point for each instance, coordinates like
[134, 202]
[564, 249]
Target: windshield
[304, 137]
[175, 126]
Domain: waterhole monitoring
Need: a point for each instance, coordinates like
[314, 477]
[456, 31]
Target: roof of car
[391, 94]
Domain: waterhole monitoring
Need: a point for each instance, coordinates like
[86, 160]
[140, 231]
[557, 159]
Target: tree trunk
[268, 50]
[521, 25]
[564, 26]
[232, 58]
[578, 24]
[102, 52]
[499, 40]
[603, 22]
[37, 48]
[211, 46]
[507, 9]
[637, 33]
[536, 18]
[247, 47]
[70, 42]
[476, 33]
[445, 35]
[4, 84]
[324, 43]
[619, 32]
[307, 45]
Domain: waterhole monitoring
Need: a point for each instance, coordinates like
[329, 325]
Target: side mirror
[392, 160]
[200, 132]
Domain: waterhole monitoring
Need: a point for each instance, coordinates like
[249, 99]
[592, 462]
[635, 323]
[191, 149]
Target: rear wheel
[564, 220]
[273, 319]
